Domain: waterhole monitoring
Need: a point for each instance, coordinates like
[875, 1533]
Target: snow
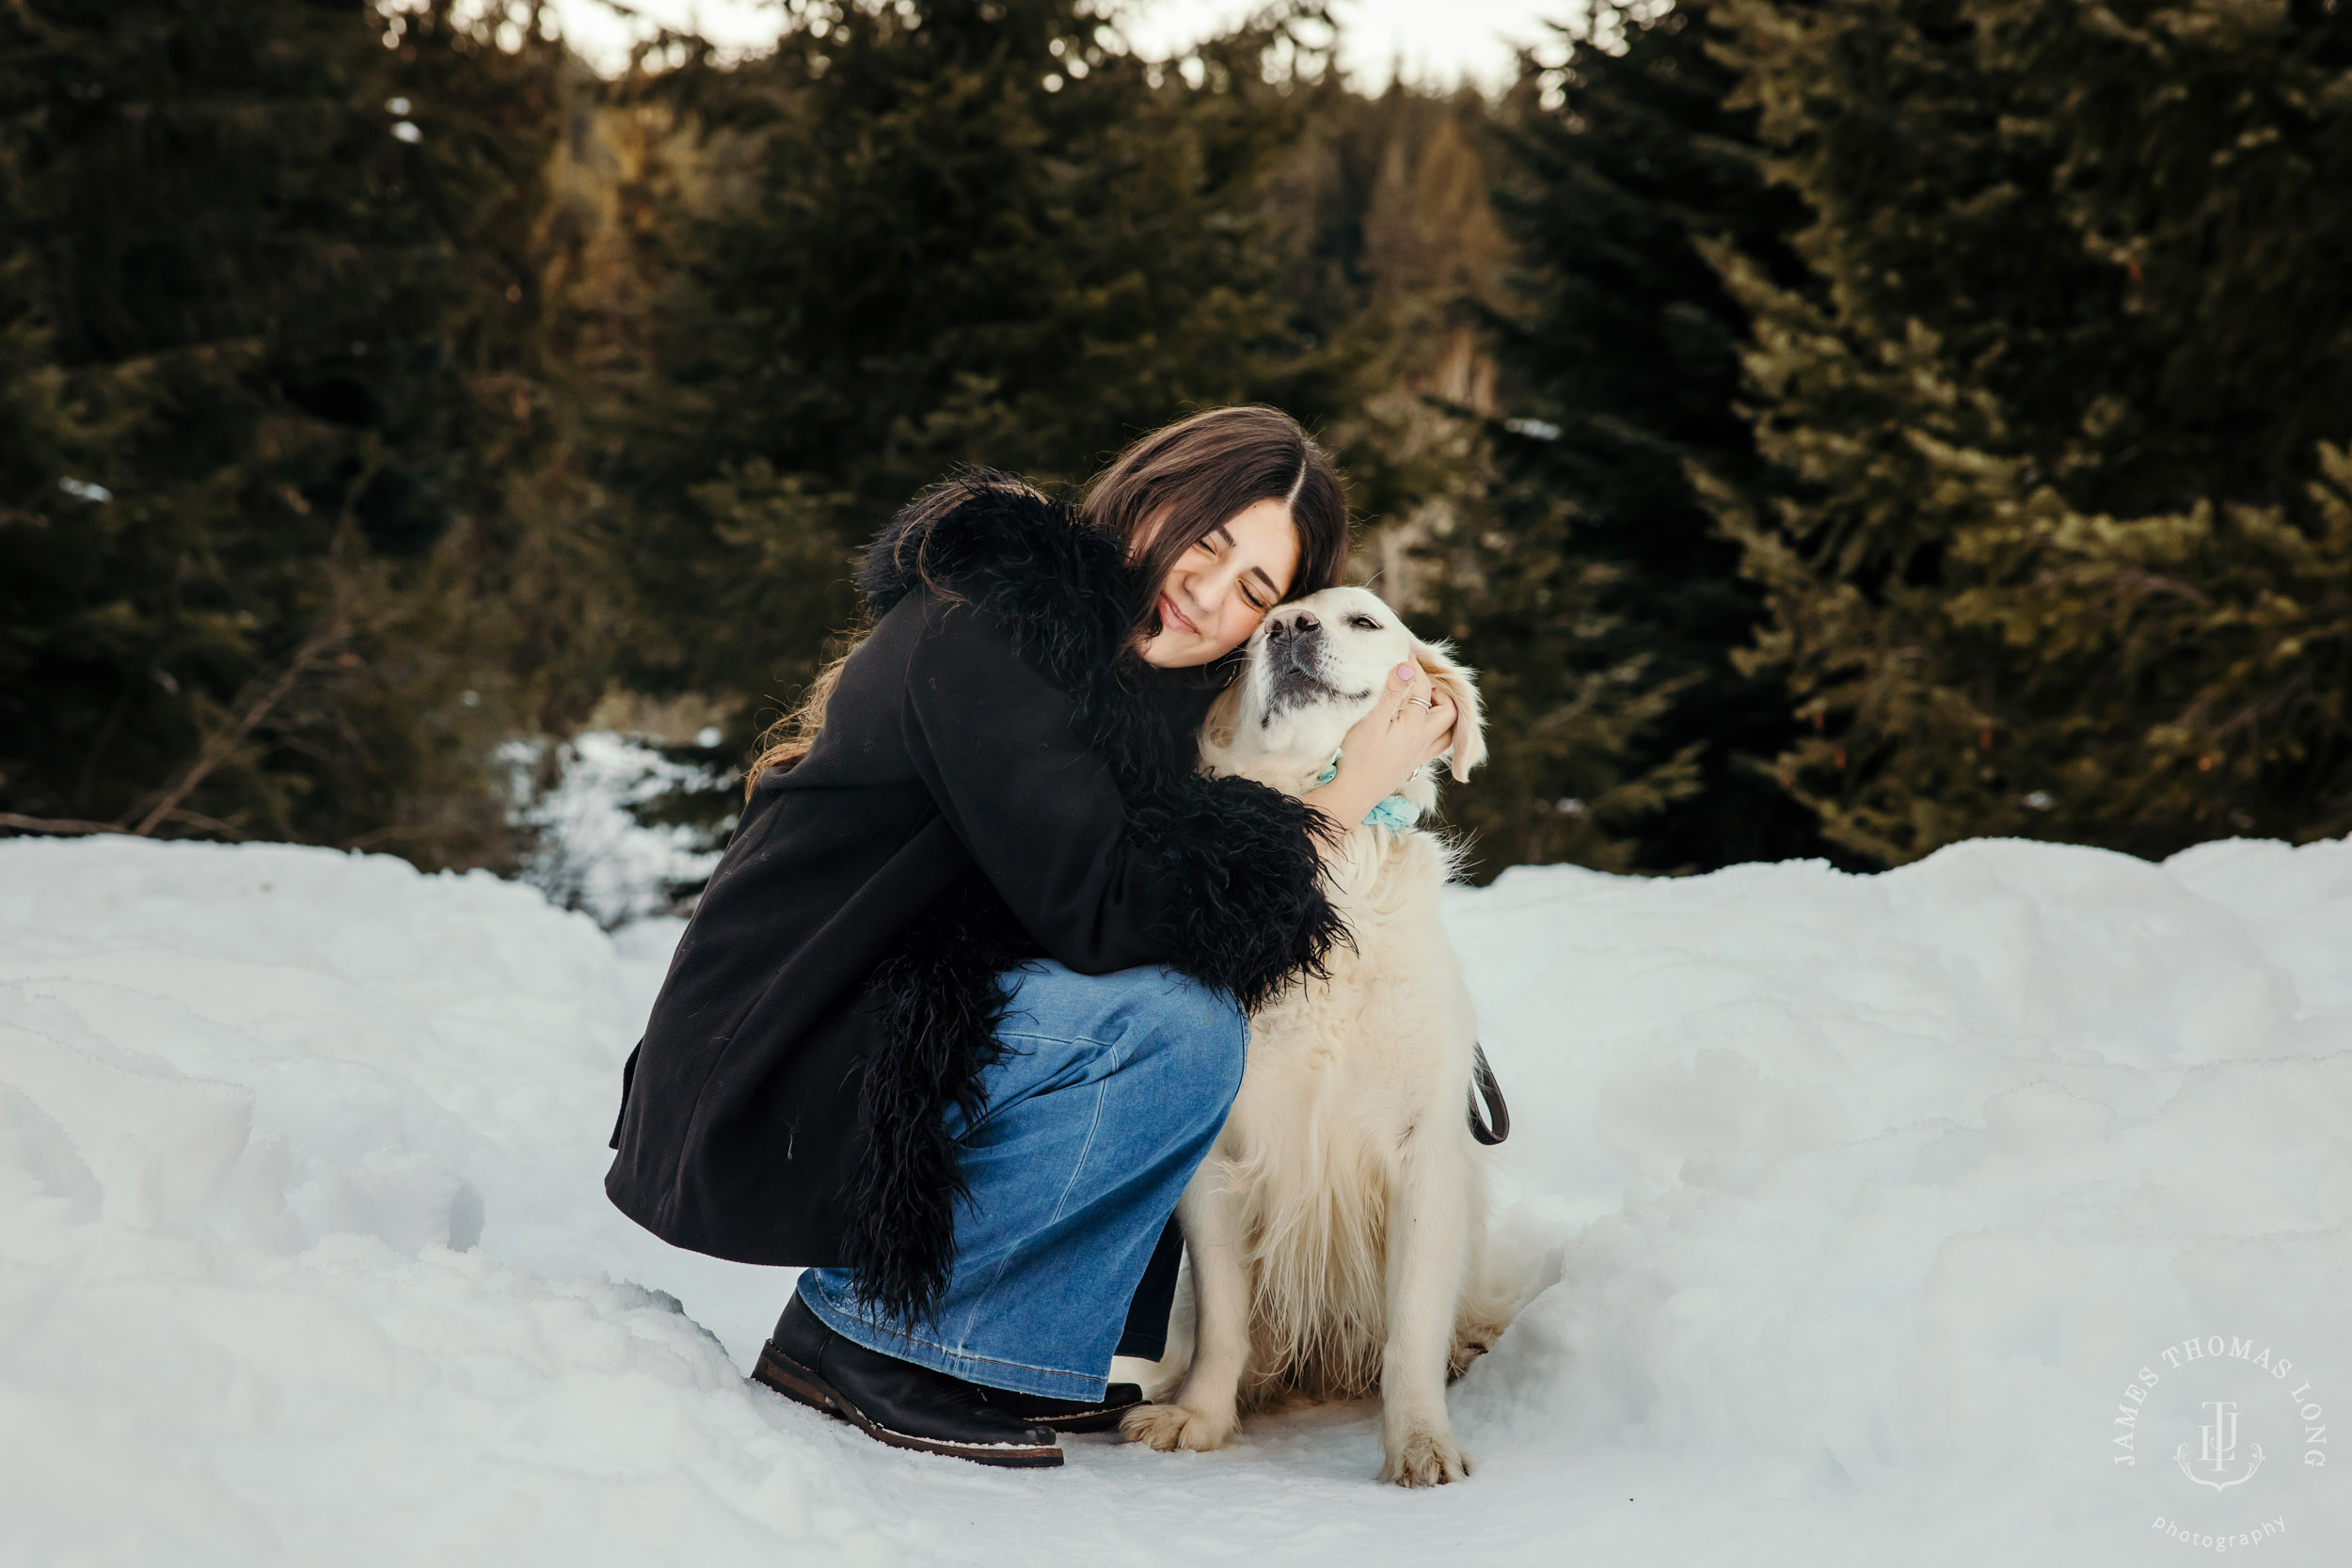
[1865, 1204]
[590, 851]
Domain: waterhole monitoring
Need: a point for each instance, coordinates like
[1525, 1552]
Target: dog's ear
[1217, 730]
[1469, 743]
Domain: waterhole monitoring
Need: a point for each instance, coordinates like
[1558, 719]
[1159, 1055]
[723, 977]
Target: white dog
[1337, 1232]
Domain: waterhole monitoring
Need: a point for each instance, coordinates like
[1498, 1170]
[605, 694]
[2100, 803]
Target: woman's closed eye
[1216, 550]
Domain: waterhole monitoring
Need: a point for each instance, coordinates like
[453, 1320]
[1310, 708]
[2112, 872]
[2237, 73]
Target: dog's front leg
[1428, 1248]
[1206, 1408]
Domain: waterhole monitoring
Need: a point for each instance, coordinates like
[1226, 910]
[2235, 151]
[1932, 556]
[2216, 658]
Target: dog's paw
[1465, 1351]
[1425, 1458]
[1168, 1427]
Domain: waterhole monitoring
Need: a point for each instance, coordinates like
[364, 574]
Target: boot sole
[795, 1382]
[1082, 1420]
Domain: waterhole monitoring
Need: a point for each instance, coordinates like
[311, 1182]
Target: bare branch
[218, 748]
[57, 825]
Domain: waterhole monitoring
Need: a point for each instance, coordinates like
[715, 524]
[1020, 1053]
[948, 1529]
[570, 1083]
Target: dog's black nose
[1300, 621]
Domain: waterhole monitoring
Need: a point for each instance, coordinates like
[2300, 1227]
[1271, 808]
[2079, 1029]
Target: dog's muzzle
[1293, 654]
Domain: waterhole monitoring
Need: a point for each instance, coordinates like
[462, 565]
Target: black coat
[995, 780]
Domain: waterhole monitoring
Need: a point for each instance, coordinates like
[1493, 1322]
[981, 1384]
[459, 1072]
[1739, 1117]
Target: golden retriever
[1336, 1234]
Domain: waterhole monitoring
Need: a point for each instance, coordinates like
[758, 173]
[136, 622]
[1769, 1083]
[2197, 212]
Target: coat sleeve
[1219, 878]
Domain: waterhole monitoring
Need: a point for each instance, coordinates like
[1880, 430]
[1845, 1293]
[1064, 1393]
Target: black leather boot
[895, 1402]
[1068, 1414]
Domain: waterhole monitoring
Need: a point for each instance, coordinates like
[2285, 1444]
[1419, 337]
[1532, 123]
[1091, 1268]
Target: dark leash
[1495, 1125]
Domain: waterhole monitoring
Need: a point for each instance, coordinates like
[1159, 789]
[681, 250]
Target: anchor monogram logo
[2244, 1390]
[2219, 1449]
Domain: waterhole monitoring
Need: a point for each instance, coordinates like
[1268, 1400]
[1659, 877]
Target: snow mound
[1863, 1211]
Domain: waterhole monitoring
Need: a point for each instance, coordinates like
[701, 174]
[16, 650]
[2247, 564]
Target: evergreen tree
[963, 230]
[2059, 549]
[1600, 599]
[1386, 235]
[2189, 558]
[259, 285]
[2198, 155]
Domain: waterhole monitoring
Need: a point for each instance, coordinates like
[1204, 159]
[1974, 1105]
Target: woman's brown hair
[1192, 476]
[1164, 494]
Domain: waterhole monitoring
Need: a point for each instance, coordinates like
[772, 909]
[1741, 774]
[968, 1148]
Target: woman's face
[1220, 589]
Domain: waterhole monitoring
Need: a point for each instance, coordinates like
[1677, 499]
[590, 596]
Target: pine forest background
[1832, 427]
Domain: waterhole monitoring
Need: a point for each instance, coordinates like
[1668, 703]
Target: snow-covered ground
[1870, 1201]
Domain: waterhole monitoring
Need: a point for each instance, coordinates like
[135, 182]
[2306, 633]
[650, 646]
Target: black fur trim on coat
[939, 1001]
[1251, 917]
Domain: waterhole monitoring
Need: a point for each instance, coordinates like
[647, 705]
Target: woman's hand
[1412, 722]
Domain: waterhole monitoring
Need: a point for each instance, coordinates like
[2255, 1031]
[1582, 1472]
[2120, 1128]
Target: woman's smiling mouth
[1172, 617]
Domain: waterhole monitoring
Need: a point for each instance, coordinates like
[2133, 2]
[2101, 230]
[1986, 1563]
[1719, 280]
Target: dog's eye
[1363, 623]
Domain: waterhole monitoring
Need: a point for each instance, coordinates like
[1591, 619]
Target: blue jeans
[1110, 1092]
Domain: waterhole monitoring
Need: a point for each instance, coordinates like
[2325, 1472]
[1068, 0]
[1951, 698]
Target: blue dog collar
[1396, 813]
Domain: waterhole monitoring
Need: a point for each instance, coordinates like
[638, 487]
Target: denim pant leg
[1111, 1091]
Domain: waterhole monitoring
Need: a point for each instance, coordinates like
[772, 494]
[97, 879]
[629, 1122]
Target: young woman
[966, 1003]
